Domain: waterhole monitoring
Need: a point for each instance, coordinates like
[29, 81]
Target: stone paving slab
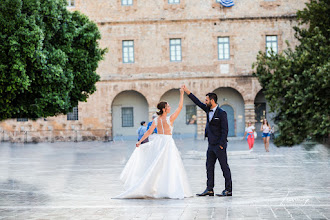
[78, 180]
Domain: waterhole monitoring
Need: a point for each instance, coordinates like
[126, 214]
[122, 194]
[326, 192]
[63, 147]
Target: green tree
[48, 58]
[297, 82]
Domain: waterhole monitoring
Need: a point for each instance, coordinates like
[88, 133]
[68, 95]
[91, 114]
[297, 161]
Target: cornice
[194, 20]
[169, 76]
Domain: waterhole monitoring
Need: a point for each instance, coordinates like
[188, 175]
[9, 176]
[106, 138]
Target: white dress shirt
[211, 113]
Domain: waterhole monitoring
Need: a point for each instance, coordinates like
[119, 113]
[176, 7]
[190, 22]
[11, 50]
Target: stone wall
[151, 24]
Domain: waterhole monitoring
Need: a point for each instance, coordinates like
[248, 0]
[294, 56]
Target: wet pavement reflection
[77, 181]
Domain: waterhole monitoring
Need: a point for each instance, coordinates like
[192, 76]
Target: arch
[233, 98]
[262, 110]
[257, 89]
[115, 94]
[260, 97]
[170, 91]
[128, 109]
[235, 85]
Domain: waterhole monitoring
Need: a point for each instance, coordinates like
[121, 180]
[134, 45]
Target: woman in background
[249, 131]
[265, 128]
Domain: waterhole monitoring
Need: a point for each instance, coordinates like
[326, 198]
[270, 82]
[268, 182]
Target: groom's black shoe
[206, 193]
[225, 193]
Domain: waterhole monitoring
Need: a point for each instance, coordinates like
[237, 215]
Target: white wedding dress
[155, 169]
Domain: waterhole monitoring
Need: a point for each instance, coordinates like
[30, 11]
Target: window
[127, 117]
[260, 111]
[191, 114]
[173, 1]
[128, 51]
[71, 3]
[126, 2]
[73, 116]
[22, 119]
[175, 50]
[271, 44]
[223, 48]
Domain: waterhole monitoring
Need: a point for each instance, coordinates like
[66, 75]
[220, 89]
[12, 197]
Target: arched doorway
[185, 125]
[234, 104]
[261, 111]
[231, 119]
[128, 109]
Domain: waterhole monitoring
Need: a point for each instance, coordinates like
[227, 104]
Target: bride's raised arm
[178, 110]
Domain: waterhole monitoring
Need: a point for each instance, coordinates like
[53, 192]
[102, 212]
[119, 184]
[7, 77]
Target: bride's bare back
[163, 125]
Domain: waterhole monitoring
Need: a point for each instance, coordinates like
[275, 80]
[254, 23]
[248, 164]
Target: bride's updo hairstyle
[160, 107]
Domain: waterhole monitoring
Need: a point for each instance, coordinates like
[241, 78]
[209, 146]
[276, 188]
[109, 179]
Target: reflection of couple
[155, 169]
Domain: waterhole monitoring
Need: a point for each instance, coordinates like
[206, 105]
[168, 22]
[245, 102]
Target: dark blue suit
[216, 131]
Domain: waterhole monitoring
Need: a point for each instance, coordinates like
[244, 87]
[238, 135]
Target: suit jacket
[217, 129]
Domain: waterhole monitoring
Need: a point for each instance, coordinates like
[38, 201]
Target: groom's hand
[184, 87]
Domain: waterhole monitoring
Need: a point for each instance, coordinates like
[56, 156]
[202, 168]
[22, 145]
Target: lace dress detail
[162, 127]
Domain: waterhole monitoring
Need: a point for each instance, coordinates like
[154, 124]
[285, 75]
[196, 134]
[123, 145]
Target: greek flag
[226, 3]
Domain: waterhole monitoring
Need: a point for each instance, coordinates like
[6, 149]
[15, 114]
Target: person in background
[265, 128]
[249, 131]
[142, 129]
[149, 124]
[192, 120]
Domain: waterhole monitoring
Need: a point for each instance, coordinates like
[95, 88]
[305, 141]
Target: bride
[155, 169]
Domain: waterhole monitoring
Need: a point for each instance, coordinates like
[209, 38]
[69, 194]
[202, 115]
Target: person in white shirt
[265, 128]
[249, 131]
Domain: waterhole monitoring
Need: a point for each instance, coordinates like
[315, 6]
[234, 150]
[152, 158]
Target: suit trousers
[214, 152]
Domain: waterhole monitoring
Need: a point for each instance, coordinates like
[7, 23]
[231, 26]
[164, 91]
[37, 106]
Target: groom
[216, 130]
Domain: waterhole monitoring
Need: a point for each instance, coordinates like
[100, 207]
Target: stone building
[154, 48]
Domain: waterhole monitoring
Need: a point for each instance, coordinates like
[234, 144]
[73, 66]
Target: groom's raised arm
[194, 99]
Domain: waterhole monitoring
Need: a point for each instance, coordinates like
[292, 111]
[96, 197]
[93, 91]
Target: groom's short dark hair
[213, 96]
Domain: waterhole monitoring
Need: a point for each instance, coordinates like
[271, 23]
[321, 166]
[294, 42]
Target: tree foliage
[297, 82]
[48, 58]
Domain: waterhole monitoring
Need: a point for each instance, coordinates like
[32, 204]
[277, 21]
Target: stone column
[152, 110]
[109, 125]
[201, 122]
[249, 112]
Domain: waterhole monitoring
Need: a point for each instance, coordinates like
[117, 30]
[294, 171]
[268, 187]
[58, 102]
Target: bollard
[25, 136]
[106, 137]
[76, 139]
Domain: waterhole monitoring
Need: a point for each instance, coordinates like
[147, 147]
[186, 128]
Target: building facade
[154, 48]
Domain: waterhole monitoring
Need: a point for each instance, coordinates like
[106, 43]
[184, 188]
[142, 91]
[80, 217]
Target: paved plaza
[77, 181]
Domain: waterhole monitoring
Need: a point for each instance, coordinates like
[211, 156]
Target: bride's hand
[181, 91]
[137, 144]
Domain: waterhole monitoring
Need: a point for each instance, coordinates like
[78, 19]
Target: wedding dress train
[155, 169]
